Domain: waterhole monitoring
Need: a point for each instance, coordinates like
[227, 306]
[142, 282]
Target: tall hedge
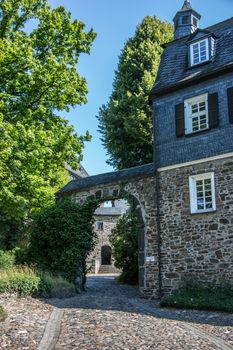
[62, 237]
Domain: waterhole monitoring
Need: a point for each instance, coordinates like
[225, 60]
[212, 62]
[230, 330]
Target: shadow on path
[104, 293]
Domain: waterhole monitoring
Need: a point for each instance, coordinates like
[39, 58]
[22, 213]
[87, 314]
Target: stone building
[185, 198]
[106, 216]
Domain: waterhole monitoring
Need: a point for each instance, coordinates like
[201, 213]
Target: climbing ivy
[62, 237]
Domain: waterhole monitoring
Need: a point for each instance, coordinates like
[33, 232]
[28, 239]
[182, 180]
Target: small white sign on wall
[150, 259]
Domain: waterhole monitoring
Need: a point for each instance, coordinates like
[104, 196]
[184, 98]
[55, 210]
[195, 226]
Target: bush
[62, 237]
[7, 259]
[50, 285]
[202, 297]
[124, 240]
[11, 233]
[20, 280]
[3, 314]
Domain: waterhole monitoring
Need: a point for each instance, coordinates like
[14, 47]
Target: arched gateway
[139, 184]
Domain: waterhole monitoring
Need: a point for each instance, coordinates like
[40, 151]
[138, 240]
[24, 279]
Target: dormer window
[199, 52]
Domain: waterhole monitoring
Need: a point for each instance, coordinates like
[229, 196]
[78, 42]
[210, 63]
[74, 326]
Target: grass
[49, 282]
[3, 314]
[201, 297]
[20, 280]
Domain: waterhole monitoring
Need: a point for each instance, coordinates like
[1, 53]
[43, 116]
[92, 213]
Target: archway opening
[106, 255]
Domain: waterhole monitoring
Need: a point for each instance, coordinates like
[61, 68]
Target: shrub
[62, 237]
[7, 259]
[3, 314]
[11, 232]
[124, 240]
[20, 280]
[50, 284]
[202, 297]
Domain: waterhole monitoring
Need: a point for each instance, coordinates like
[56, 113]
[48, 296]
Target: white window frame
[189, 116]
[193, 192]
[199, 52]
[196, 20]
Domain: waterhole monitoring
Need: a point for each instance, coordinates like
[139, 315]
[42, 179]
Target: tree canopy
[40, 48]
[125, 122]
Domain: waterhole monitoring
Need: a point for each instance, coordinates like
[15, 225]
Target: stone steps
[107, 269]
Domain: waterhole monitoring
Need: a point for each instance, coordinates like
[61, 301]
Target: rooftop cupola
[186, 21]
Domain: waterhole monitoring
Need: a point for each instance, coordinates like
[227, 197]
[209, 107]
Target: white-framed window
[202, 193]
[100, 225]
[195, 21]
[199, 52]
[196, 114]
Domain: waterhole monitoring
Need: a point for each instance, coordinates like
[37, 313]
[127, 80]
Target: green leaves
[63, 236]
[124, 240]
[38, 78]
[125, 122]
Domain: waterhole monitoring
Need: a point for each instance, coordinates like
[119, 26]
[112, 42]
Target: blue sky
[115, 21]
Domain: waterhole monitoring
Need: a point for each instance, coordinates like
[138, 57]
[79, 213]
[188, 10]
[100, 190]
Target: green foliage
[12, 232]
[124, 240]
[21, 280]
[201, 297]
[62, 237]
[38, 79]
[50, 283]
[7, 259]
[3, 314]
[125, 122]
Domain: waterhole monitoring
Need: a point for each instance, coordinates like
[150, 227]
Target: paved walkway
[110, 316]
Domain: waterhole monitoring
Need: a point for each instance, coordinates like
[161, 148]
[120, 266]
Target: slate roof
[174, 72]
[107, 178]
[79, 173]
[186, 7]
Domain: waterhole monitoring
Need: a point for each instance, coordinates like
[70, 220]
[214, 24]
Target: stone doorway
[106, 255]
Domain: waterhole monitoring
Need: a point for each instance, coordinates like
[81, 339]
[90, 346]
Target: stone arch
[119, 191]
[139, 185]
[106, 255]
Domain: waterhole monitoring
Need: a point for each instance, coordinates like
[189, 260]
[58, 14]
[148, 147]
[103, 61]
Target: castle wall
[196, 246]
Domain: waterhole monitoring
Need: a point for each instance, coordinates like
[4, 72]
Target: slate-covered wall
[196, 246]
[172, 150]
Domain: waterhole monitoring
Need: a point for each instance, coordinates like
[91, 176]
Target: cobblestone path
[112, 317]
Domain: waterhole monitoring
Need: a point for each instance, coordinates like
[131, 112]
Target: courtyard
[110, 316]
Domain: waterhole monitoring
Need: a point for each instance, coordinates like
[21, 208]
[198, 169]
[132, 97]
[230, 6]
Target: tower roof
[185, 8]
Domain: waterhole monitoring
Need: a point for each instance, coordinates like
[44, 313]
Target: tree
[125, 122]
[124, 240]
[38, 80]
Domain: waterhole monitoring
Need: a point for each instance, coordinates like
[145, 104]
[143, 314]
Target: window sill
[204, 212]
[198, 132]
[199, 64]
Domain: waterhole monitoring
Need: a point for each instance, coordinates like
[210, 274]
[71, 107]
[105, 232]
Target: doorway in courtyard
[106, 255]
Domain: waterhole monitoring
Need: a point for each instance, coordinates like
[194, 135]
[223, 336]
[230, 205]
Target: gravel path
[25, 324]
[113, 317]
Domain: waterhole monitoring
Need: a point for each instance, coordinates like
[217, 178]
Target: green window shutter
[180, 121]
[230, 103]
[213, 110]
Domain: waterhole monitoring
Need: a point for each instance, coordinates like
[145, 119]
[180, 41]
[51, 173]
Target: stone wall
[196, 246]
[143, 191]
[94, 260]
